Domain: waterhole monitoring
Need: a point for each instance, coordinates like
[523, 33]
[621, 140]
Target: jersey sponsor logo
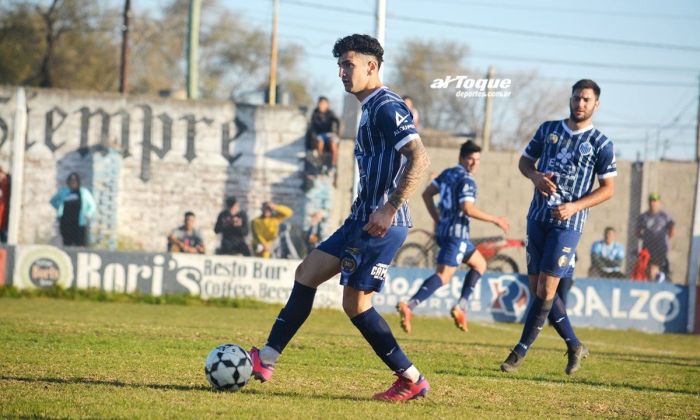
[585, 149]
[400, 119]
[553, 138]
[379, 271]
[563, 261]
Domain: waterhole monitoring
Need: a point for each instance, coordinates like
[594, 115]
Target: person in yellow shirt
[266, 227]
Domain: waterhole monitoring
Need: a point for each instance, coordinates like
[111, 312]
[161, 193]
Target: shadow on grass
[173, 387]
[497, 374]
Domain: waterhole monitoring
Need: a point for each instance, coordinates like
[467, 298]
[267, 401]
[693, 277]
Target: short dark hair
[406, 98]
[230, 202]
[363, 44]
[609, 229]
[586, 84]
[322, 98]
[188, 214]
[468, 148]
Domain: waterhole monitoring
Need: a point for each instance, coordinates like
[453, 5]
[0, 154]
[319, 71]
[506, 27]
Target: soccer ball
[228, 367]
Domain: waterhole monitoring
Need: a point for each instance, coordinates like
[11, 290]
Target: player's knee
[302, 274]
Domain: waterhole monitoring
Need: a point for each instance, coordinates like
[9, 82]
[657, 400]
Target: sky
[645, 55]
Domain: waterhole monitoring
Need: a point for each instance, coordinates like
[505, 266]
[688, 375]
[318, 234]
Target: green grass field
[72, 358]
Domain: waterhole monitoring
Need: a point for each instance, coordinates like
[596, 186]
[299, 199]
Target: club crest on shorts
[553, 138]
[585, 149]
[348, 264]
[563, 261]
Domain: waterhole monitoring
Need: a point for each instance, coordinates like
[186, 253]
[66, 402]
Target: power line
[577, 12]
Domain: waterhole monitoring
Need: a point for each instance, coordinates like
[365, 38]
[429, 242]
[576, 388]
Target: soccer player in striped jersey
[457, 189]
[391, 161]
[562, 160]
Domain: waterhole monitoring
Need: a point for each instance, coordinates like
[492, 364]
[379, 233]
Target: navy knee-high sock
[378, 334]
[470, 280]
[560, 321]
[536, 317]
[292, 316]
[429, 286]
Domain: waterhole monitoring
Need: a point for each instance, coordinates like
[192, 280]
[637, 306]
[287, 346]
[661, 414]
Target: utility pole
[193, 49]
[488, 112]
[272, 85]
[381, 28]
[697, 127]
[124, 68]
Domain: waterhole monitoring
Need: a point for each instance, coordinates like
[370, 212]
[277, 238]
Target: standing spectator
[607, 256]
[655, 227]
[414, 112]
[232, 224]
[74, 207]
[323, 132]
[5, 186]
[186, 238]
[266, 227]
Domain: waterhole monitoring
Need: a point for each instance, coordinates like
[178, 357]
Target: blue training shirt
[456, 186]
[574, 157]
[386, 126]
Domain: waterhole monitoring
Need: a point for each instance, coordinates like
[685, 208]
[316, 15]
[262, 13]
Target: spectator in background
[266, 227]
[655, 227]
[414, 112]
[232, 224]
[322, 134]
[74, 207]
[186, 238]
[607, 256]
[5, 185]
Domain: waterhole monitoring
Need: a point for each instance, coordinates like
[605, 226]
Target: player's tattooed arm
[417, 162]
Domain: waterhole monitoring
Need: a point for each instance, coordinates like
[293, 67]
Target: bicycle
[422, 254]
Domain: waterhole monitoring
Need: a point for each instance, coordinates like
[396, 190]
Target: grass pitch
[68, 358]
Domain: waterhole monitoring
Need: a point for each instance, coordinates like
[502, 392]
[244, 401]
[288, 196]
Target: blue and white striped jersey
[456, 185]
[386, 126]
[573, 157]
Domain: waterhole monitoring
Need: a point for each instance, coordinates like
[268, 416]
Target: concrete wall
[154, 159]
[503, 191]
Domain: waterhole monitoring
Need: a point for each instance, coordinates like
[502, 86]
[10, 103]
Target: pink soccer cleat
[261, 371]
[460, 318]
[404, 390]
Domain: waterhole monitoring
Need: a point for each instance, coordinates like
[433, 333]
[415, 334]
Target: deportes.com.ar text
[480, 94]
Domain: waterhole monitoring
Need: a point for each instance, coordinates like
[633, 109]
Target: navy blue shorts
[364, 259]
[454, 250]
[549, 248]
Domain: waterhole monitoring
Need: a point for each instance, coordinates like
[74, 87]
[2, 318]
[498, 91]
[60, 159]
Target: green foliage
[82, 358]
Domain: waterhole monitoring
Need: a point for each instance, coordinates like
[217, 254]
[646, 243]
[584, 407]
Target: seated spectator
[186, 238]
[655, 227]
[414, 112]
[607, 256]
[322, 135]
[232, 224]
[266, 227]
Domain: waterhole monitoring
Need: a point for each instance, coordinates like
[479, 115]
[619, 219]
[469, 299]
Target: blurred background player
[607, 256]
[266, 227]
[560, 160]
[232, 224]
[186, 238]
[457, 189]
[391, 161]
[655, 227]
[74, 207]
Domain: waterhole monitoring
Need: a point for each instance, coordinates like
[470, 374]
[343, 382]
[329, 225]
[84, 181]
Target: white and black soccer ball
[228, 367]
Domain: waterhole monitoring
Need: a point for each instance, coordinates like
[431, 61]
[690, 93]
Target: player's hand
[380, 221]
[502, 223]
[565, 211]
[544, 183]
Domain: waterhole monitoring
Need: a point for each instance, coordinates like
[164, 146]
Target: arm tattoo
[418, 161]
